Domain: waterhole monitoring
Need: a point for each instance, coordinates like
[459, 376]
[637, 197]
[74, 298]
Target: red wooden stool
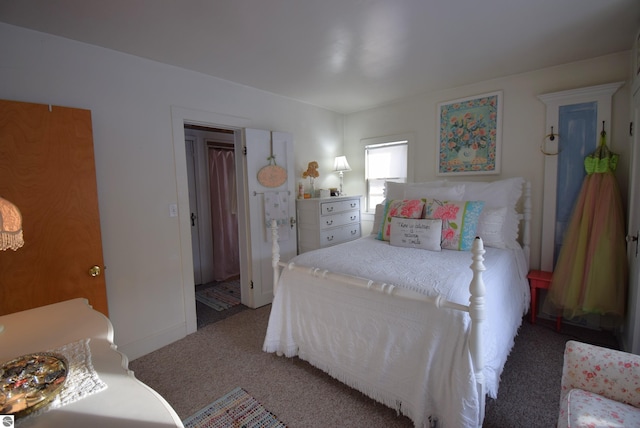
[539, 279]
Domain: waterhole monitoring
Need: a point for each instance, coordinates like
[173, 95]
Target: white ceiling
[344, 55]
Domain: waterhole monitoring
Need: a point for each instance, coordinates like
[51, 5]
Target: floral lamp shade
[10, 226]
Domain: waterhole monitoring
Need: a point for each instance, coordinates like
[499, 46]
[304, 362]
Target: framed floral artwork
[469, 135]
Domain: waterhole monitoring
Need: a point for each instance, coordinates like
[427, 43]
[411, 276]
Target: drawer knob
[353, 204]
[329, 222]
[353, 232]
[329, 209]
[330, 238]
[353, 217]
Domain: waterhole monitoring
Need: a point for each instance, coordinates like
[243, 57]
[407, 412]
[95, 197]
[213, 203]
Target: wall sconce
[341, 165]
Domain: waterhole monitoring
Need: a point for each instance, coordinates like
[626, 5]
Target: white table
[126, 402]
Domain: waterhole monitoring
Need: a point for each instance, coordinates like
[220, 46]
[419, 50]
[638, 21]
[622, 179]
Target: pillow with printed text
[416, 233]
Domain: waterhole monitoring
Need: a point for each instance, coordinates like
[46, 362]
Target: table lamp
[341, 165]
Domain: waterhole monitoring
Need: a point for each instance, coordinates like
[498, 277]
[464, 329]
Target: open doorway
[211, 176]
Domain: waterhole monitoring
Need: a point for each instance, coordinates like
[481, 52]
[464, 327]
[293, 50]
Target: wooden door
[258, 144]
[47, 170]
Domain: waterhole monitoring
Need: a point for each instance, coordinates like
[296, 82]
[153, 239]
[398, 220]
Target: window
[386, 161]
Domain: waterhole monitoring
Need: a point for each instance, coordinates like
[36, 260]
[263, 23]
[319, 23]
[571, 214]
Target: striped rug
[220, 296]
[236, 409]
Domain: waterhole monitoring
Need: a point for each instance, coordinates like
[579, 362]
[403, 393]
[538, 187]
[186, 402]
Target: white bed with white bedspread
[402, 352]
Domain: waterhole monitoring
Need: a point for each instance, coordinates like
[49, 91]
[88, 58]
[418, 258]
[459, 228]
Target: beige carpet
[204, 366]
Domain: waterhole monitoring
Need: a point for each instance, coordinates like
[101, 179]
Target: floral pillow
[459, 221]
[404, 208]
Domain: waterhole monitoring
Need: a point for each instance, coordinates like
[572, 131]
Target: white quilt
[406, 354]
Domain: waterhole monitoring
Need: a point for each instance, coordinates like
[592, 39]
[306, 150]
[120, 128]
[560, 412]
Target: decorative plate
[30, 382]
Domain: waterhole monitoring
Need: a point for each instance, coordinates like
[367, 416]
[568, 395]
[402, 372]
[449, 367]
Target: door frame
[180, 116]
[194, 198]
[631, 334]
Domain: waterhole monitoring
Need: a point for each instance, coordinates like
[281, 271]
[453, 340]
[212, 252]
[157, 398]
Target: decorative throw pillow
[405, 208]
[377, 219]
[459, 221]
[416, 233]
[496, 194]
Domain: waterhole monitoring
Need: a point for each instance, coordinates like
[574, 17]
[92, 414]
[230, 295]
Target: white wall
[522, 131]
[131, 99]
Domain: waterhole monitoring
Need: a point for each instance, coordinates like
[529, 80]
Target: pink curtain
[224, 219]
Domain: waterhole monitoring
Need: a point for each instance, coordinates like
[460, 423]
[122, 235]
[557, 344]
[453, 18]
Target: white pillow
[453, 193]
[416, 233]
[395, 190]
[497, 194]
[491, 227]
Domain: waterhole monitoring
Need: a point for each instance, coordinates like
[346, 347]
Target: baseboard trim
[154, 342]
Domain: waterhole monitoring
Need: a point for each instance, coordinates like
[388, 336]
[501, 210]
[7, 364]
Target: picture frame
[470, 135]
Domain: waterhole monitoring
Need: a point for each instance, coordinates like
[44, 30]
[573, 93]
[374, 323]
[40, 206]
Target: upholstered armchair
[600, 387]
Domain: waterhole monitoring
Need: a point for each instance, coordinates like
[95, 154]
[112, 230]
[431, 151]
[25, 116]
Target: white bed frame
[475, 308]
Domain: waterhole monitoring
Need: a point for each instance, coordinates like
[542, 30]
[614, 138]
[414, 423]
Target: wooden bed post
[477, 314]
[275, 254]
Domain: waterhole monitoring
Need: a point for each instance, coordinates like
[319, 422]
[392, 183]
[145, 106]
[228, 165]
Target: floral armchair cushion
[586, 409]
[613, 374]
[599, 384]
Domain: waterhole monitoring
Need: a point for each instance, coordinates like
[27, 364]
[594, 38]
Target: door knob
[95, 271]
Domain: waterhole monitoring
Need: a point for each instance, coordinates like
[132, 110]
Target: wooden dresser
[125, 401]
[323, 222]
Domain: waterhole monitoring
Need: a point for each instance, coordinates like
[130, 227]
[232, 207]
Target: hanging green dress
[590, 275]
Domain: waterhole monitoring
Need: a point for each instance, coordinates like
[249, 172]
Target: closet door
[573, 115]
[47, 170]
[577, 125]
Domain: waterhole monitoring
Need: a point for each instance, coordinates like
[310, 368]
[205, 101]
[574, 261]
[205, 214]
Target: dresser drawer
[339, 234]
[333, 207]
[323, 222]
[339, 219]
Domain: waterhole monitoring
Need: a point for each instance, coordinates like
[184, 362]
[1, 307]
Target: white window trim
[408, 137]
